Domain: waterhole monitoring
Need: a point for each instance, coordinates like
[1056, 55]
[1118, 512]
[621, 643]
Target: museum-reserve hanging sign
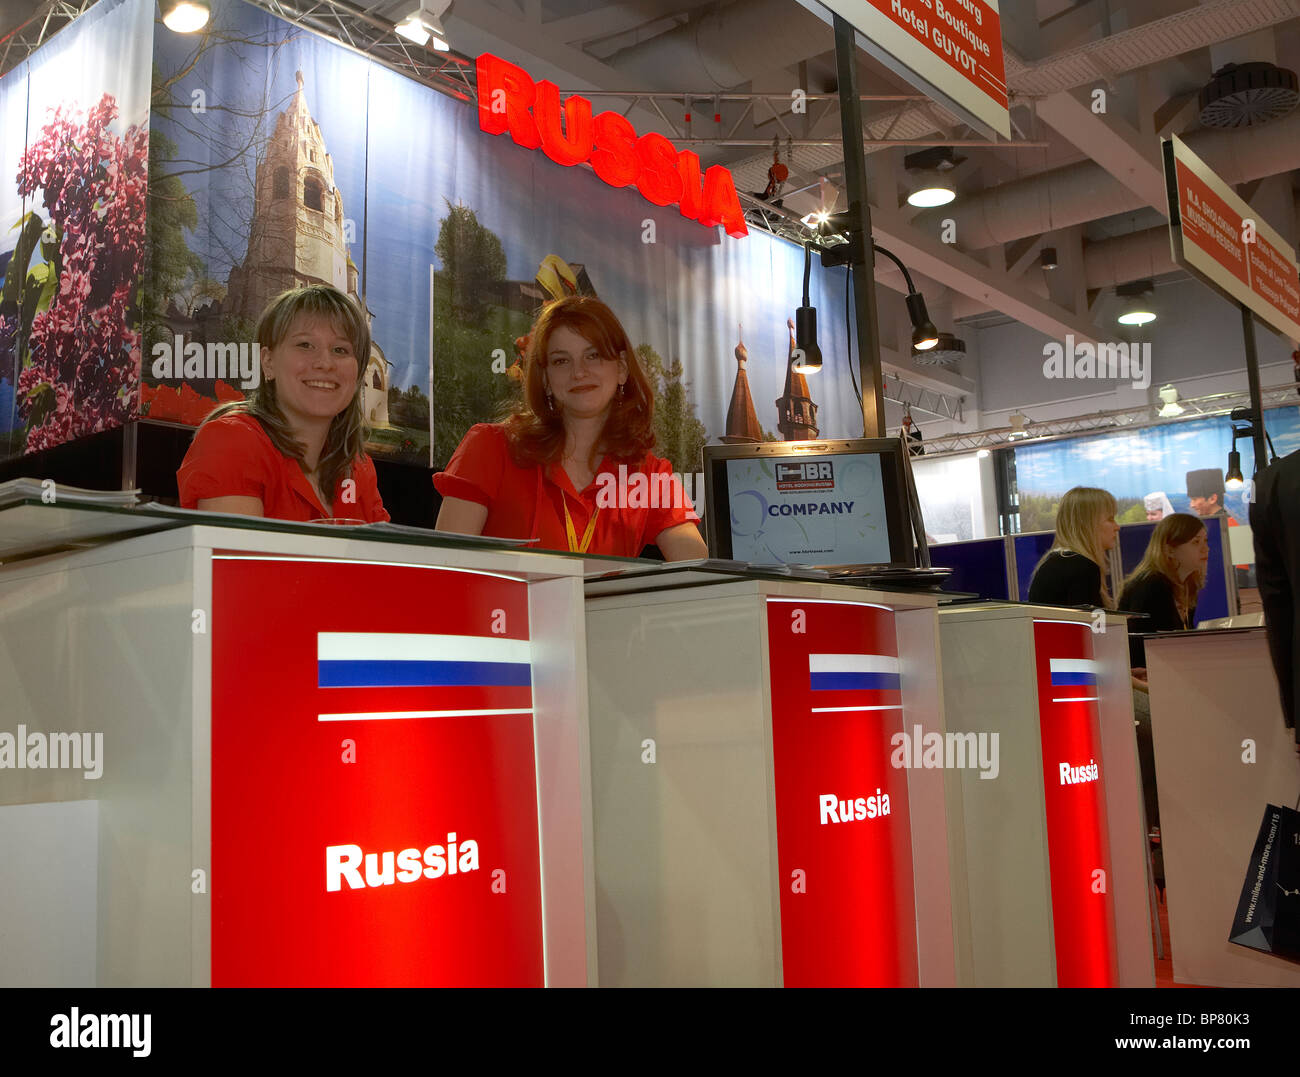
[1217, 235]
[510, 102]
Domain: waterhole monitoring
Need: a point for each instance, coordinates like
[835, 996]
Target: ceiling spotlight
[1140, 314]
[1137, 307]
[185, 16]
[983, 454]
[1169, 400]
[1047, 258]
[930, 185]
[1019, 421]
[815, 219]
[425, 23]
[932, 190]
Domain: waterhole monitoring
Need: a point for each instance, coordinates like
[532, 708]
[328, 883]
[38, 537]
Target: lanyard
[572, 534]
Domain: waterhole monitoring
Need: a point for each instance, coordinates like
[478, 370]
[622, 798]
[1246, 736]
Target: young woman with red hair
[562, 468]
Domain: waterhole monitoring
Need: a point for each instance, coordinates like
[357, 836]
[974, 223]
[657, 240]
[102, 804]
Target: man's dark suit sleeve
[1275, 587]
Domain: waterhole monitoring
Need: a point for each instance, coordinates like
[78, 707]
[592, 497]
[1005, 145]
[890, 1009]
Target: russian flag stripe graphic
[853, 672]
[411, 674]
[1072, 672]
[418, 647]
[367, 674]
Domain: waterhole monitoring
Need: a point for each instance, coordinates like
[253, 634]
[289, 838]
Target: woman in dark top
[1164, 586]
[1071, 573]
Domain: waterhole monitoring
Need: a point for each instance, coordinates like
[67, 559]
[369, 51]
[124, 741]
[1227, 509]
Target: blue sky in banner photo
[246, 84]
[1139, 462]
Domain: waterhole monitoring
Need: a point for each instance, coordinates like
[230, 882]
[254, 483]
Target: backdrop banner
[74, 158]
[280, 159]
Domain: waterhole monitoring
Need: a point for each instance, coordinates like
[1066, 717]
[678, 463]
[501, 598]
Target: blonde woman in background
[1073, 571]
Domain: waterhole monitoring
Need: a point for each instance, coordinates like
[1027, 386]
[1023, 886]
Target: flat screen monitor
[830, 504]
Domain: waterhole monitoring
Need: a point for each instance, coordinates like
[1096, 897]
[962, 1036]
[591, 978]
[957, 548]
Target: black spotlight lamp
[924, 335]
[1233, 479]
[808, 356]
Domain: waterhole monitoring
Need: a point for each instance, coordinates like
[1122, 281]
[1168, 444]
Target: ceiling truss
[47, 20]
[916, 398]
[1122, 418]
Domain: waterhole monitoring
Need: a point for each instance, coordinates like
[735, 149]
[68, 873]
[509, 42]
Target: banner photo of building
[277, 159]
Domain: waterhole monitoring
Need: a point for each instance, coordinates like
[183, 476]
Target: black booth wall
[96, 463]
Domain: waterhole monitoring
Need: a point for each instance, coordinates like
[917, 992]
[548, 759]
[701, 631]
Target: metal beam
[1106, 138]
[862, 259]
[944, 263]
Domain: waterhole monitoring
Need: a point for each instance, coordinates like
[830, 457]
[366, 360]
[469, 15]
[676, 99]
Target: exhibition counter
[1222, 754]
[751, 826]
[1048, 857]
[248, 752]
[290, 755]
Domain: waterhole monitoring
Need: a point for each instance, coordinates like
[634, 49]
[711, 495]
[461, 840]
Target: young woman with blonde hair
[1073, 572]
[295, 451]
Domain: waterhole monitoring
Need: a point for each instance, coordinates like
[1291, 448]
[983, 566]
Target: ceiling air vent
[949, 350]
[1244, 95]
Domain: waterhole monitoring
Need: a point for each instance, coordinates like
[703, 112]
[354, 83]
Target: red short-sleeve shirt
[528, 502]
[234, 457]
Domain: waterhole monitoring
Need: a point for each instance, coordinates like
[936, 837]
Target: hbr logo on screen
[806, 475]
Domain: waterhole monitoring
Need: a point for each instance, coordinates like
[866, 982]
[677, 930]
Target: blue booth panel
[1030, 549]
[978, 566]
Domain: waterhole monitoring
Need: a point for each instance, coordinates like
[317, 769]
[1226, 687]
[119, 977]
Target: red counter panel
[365, 717]
[843, 835]
[1083, 907]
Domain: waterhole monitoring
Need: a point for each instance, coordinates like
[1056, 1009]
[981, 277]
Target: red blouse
[234, 457]
[528, 502]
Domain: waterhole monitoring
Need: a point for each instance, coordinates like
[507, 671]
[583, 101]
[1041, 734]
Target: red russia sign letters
[509, 101]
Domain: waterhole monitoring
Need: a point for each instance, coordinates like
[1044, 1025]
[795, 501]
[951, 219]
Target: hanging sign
[950, 50]
[509, 102]
[1216, 235]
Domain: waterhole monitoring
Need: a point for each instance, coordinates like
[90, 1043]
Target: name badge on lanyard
[571, 532]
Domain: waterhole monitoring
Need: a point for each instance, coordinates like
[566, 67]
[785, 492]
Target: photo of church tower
[299, 236]
[742, 419]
